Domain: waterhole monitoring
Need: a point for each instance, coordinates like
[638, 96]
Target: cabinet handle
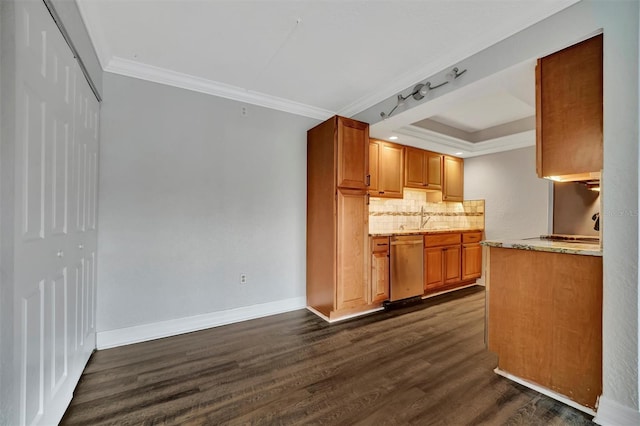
[60, 253]
[368, 180]
[382, 244]
[80, 246]
[380, 192]
[368, 198]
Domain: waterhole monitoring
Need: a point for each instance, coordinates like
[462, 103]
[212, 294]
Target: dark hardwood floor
[424, 364]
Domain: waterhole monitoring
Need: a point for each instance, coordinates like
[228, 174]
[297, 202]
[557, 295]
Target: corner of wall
[610, 413]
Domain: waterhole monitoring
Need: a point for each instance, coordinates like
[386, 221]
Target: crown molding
[439, 141]
[155, 74]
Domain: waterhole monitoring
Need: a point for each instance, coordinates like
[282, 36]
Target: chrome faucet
[423, 222]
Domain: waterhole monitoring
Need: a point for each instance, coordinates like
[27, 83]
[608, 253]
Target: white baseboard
[611, 413]
[158, 330]
[545, 391]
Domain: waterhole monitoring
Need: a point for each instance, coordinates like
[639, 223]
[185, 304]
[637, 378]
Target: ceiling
[314, 58]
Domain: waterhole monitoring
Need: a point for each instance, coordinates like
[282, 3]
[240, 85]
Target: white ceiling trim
[445, 143]
[155, 74]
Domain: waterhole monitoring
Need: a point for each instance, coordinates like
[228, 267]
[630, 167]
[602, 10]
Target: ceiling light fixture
[421, 90]
[393, 138]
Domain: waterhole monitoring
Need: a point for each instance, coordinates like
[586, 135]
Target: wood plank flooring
[424, 364]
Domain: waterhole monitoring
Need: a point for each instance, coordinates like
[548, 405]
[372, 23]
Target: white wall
[516, 200]
[192, 194]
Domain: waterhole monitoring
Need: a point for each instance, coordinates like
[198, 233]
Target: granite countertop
[423, 231]
[541, 244]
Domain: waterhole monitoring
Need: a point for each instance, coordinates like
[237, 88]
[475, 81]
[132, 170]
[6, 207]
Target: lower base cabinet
[471, 255]
[379, 291]
[451, 260]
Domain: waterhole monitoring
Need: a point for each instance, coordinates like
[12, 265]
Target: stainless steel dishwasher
[407, 256]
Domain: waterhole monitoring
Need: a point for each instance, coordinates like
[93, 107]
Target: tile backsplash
[388, 215]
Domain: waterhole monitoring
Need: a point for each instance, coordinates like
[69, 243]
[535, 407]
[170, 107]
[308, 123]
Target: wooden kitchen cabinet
[545, 319]
[379, 289]
[423, 169]
[569, 97]
[471, 255]
[337, 217]
[386, 166]
[442, 259]
[453, 179]
[451, 260]
[351, 285]
[353, 153]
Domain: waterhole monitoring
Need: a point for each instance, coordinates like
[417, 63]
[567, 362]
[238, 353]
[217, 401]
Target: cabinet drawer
[380, 244]
[442, 239]
[471, 237]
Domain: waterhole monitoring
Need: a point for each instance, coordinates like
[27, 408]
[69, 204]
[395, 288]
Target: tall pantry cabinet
[337, 216]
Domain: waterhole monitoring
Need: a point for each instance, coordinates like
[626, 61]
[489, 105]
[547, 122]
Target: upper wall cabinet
[423, 169]
[569, 112]
[453, 179]
[353, 153]
[386, 165]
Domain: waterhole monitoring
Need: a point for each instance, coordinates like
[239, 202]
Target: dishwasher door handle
[405, 243]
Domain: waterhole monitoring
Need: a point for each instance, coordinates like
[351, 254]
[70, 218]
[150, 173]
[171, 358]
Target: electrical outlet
[243, 278]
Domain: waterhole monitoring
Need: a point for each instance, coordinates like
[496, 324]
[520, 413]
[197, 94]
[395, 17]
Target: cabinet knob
[80, 246]
[60, 253]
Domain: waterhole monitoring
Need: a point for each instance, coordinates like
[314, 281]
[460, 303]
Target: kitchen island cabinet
[545, 316]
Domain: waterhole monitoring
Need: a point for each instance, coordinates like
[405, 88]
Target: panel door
[414, 168]
[451, 262]
[433, 273]
[352, 250]
[434, 170]
[374, 149]
[353, 154]
[471, 261]
[453, 179]
[379, 277]
[390, 170]
[54, 287]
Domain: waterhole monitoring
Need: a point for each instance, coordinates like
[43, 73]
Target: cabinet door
[353, 153]
[471, 261]
[434, 170]
[569, 99]
[453, 179]
[374, 168]
[352, 250]
[414, 168]
[451, 264]
[390, 170]
[379, 277]
[433, 276]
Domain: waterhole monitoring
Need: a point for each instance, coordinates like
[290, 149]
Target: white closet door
[55, 227]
